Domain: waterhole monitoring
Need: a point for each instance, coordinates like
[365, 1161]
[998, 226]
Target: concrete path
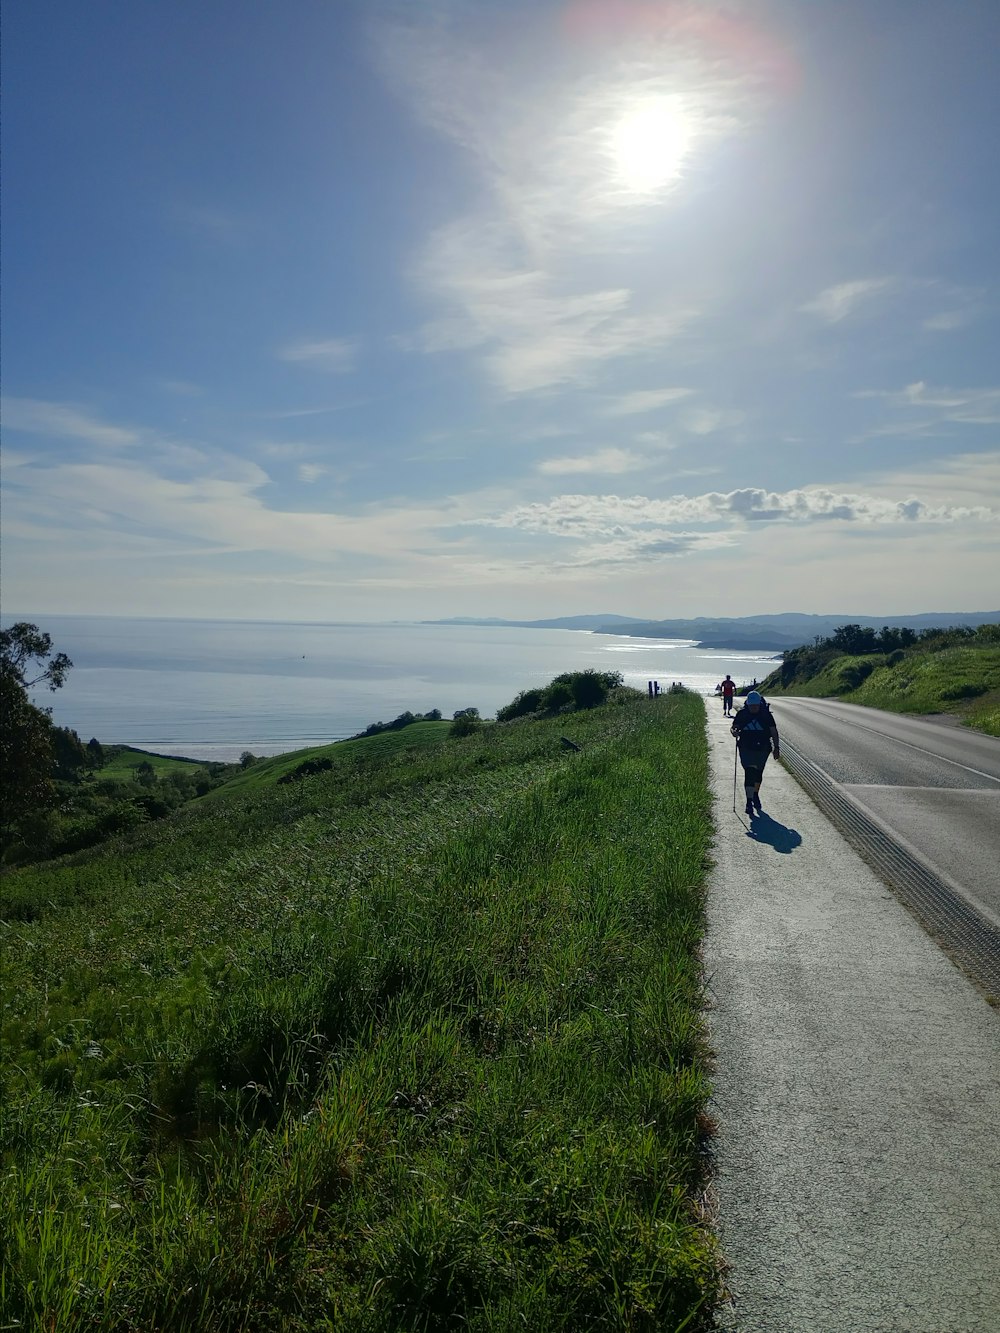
[857, 1088]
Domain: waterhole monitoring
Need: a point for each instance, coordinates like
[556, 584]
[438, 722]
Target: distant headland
[770, 633]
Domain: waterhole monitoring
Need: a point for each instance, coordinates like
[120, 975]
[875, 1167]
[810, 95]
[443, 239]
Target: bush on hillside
[853, 674]
[558, 696]
[466, 723]
[523, 704]
[571, 689]
[307, 769]
[967, 691]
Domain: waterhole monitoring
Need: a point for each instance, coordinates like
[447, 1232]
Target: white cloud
[837, 303]
[336, 355]
[608, 461]
[589, 516]
[63, 421]
[644, 400]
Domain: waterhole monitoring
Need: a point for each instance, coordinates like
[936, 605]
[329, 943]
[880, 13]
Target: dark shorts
[753, 762]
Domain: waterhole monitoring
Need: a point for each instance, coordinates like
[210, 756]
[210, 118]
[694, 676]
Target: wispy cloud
[220, 506]
[838, 303]
[607, 461]
[644, 400]
[973, 407]
[335, 355]
[708, 420]
[533, 331]
[512, 279]
[311, 472]
[63, 421]
[947, 321]
[182, 388]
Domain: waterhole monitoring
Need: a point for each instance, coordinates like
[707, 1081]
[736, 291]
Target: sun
[649, 144]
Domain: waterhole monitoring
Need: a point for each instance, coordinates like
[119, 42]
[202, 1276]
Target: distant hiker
[756, 738]
[728, 688]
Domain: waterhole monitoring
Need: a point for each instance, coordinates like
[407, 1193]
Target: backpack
[760, 736]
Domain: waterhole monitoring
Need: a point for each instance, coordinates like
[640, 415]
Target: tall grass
[413, 1045]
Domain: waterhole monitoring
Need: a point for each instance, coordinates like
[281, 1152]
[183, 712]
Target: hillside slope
[415, 1040]
[959, 675]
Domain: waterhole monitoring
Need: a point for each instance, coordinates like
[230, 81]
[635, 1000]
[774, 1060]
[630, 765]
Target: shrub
[465, 724]
[558, 695]
[306, 769]
[968, 691]
[853, 674]
[589, 689]
[528, 701]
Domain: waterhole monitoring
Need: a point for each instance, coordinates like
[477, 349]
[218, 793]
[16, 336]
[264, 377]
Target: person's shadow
[765, 829]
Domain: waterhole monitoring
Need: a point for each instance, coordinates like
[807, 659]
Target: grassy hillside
[412, 1042]
[960, 677]
[266, 772]
[123, 761]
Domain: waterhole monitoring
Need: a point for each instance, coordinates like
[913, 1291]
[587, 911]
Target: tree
[25, 758]
[23, 649]
[26, 733]
[247, 758]
[71, 755]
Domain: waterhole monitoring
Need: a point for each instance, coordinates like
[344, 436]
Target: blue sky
[334, 311]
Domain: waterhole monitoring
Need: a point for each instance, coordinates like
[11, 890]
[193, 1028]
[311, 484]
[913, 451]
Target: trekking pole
[736, 753]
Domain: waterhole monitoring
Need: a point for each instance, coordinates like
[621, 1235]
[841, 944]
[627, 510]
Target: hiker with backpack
[756, 740]
[728, 688]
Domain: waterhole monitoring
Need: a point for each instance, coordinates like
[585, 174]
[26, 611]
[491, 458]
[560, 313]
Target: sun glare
[649, 144]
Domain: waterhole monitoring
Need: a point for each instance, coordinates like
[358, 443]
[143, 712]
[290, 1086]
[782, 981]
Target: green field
[123, 760]
[416, 1042]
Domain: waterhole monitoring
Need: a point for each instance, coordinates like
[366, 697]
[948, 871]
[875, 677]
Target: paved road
[936, 787]
[857, 1087]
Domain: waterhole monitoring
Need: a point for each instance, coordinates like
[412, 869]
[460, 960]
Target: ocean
[211, 689]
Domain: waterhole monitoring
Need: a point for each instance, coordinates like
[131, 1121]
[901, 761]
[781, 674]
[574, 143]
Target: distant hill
[598, 622]
[773, 633]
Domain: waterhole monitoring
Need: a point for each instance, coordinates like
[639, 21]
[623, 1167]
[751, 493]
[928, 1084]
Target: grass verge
[413, 1043]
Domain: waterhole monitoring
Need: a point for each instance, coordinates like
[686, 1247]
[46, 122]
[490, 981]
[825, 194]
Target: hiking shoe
[749, 807]
[756, 804]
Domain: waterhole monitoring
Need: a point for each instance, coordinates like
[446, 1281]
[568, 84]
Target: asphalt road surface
[935, 786]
